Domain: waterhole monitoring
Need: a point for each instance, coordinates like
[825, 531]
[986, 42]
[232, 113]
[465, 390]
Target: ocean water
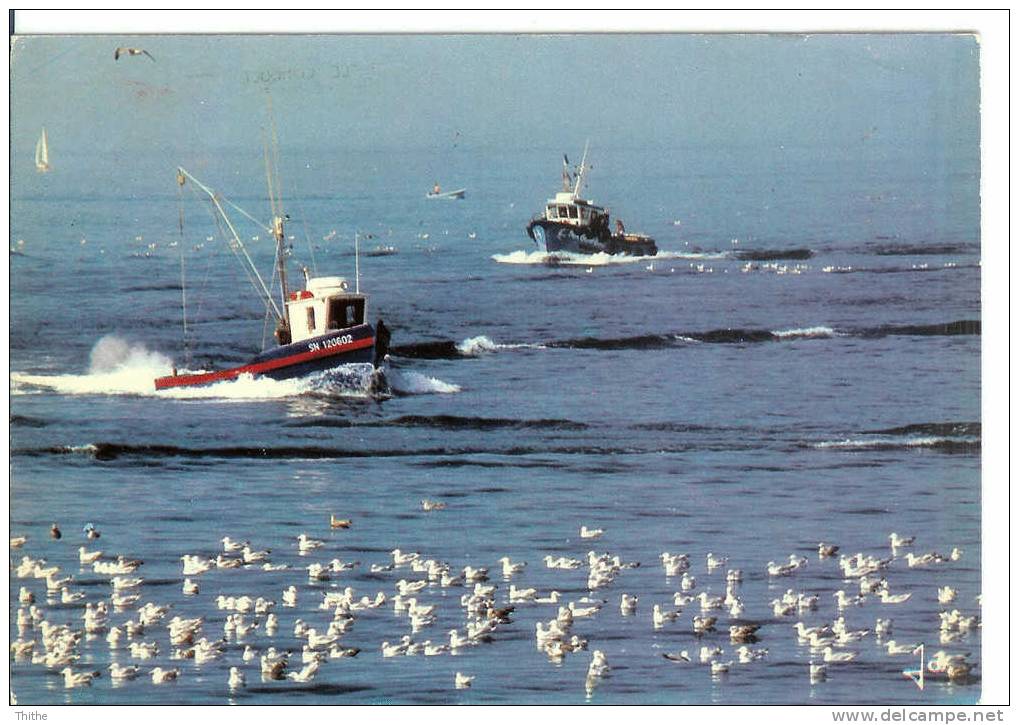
[801, 363]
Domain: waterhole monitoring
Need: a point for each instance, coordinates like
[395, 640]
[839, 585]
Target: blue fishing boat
[573, 224]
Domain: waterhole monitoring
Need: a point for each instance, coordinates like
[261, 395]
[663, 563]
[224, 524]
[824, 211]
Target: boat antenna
[581, 171]
[357, 267]
[183, 280]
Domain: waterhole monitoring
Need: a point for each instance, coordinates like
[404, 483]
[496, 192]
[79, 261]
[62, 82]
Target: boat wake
[118, 367]
[595, 260]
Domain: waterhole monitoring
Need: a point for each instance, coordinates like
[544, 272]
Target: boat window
[551, 212]
[344, 313]
[563, 213]
[572, 211]
[311, 319]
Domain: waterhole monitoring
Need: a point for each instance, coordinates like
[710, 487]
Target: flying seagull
[132, 51]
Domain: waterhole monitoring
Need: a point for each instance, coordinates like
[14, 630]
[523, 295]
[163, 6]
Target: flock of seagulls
[144, 630]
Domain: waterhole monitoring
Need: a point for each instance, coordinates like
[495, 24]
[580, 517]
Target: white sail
[42, 153]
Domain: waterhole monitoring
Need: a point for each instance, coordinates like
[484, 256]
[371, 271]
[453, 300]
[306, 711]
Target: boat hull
[458, 194]
[557, 237]
[338, 347]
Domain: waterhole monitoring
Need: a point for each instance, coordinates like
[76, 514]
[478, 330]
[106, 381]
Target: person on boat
[620, 229]
[381, 342]
[436, 189]
[283, 334]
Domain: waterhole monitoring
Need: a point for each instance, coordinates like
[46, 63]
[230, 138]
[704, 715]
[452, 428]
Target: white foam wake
[819, 331]
[595, 260]
[412, 383]
[475, 346]
[906, 442]
[118, 367]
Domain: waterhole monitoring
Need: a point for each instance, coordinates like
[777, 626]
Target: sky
[911, 92]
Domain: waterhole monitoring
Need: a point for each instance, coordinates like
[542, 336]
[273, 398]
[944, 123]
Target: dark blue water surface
[800, 363]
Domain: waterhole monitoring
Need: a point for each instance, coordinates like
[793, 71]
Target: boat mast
[357, 268]
[581, 171]
[276, 203]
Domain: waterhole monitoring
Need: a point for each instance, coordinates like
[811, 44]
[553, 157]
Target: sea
[799, 364]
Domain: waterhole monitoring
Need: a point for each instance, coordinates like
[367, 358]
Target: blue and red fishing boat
[321, 327]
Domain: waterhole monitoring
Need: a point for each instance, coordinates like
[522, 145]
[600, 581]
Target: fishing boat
[42, 153]
[321, 327]
[573, 224]
[438, 193]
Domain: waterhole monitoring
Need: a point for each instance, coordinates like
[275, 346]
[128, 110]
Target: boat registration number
[331, 342]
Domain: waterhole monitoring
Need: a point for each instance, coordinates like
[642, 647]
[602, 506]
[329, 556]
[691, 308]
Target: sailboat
[42, 153]
[320, 327]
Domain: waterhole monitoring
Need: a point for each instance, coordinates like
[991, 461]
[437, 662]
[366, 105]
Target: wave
[886, 250]
[456, 422]
[447, 422]
[969, 429]
[795, 332]
[958, 327]
[474, 346]
[411, 383]
[765, 255]
[109, 451]
[942, 444]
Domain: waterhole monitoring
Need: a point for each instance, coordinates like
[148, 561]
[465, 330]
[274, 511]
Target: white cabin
[566, 208]
[324, 306]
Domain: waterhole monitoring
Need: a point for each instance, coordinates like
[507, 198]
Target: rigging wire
[183, 277]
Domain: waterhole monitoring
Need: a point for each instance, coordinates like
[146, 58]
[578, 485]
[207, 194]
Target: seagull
[883, 627]
[231, 545]
[946, 595]
[676, 657]
[831, 655]
[825, 551]
[236, 680]
[335, 523]
[719, 668]
[462, 681]
[627, 604]
[131, 51]
[660, 617]
[304, 544]
[552, 598]
[887, 598]
[123, 672]
[159, 675]
[743, 632]
[55, 533]
[78, 679]
[747, 655]
[427, 505]
[899, 541]
[818, 672]
[894, 648]
[509, 568]
[88, 557]
[715, 562]
[586, 533]
[91, 531]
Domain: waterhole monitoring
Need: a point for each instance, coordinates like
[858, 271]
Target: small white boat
[438, 193]
[42, 153]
